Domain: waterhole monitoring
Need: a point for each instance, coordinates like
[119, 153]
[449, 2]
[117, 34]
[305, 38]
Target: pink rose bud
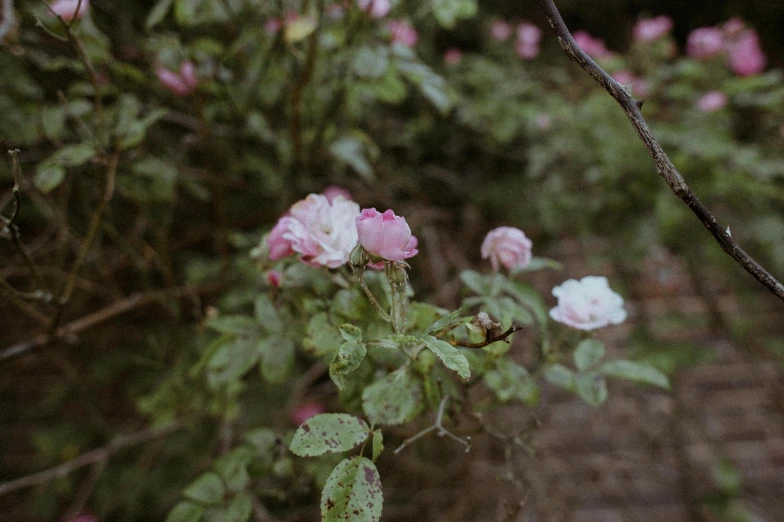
[402, 33]
[321, 231]
[712, 101]
[704, 43]
[274, 278]
[544, 121]
[593, 47]
[66, 9]
[305, 411]
[333, 191]
[453, 56]
[508, 246]
[587, 304]
[745, 55]
[500, 30]
[527, 41]
[385, 235]
[733, 26]
[272, 25]
[181, 83]
[376, 8]
[651, 29]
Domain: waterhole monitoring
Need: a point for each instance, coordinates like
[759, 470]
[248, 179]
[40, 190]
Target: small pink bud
[385, 235]
[333, 191]
[305, 411]
[507, 246]
[376, 8]
[587, 304]
[67, 9]
[274, 278]
[544, 121]
[272, 25]
[651, 29]
[453, 56]
[712, 101]
[402, 33]
[181, 83]
[704, 43]
[500, 30]
[593, 47]
[527, 41]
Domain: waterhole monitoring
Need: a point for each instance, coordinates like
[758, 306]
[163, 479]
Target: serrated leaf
[277, 358]
[351, 333]
[207, 489]
[449, 355]
[348, 359]
[322, 338]
[635, 371]
[232, 467]
[268, 315]
[395, 399]
[559, 375]
[232, 360]
[378, 444]
[511, 381]
[185, 512]
[588, 353]
[352, 492]
[592, 387]
[328, 433]
[475, 281]
[445, 322]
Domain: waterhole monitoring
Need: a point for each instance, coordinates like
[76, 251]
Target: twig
[664, 166]
[17, 298]
[489, 338]
[439, 427]
[8, 18]
[91, 457]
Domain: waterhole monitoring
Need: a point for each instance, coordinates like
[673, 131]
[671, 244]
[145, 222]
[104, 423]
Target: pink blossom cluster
[323, 230]
[402, 32]
[593, 47]
[651, 29]
[740, 44]
[181, 83]
[527, 41]
[67, 9]
[712, 101]
[500, 30]
[376, 8]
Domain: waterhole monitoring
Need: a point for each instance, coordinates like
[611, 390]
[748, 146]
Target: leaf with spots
[328, 433]
[395, 399]
[352, 492]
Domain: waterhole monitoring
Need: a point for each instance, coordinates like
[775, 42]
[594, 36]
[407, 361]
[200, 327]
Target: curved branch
[664, 166]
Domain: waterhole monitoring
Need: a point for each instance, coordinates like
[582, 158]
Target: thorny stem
[665, 168]
[385, 316]
[439, 428]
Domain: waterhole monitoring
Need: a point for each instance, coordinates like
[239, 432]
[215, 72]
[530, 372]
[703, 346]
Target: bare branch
[664, 166]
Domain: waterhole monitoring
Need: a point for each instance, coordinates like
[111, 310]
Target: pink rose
[745, 55]
[453, 56]
[182, 83]
[402, 33]
[376, 8]
[704, 43]
[527, 41]
[651, 29]
[508, 246]
[333, 191]
[321, 231]
[385, 235]
[500, 30]
[712, 101]
[66, 9]
[587, 304]
[305, 411]
[593, 47]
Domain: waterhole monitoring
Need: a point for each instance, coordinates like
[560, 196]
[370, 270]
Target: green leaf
[185, 512]
[321, 337]
[232, 360]
[351, 333]
[539, 263]
[447, 12]
[72, 155]
[352, 492]
[559, 375]
[207, 489]
[371, 62]
[588, 353]
[240, 509]
[475, 281]
[48, 177]
[348, 359]
[445, 322]
[328, 433]
[234, 324]
[351, 151]
[526, 296]
[592, 387]
[277, 358]
[263, 441]
[395, 399]
[449, 355]
[268, 315]
[635, 371]
[511, 381]
[378, 444]
[300, 28]
[232, 467]
[158, 13]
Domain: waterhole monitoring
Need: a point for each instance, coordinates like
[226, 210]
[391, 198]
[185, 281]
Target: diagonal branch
[664, 166]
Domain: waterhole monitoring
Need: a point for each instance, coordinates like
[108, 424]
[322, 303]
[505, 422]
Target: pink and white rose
[321, 231]
[334, 191]
[651, 29]
[385, 235]
[67, 9]
[507, 246]
[587, 304]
